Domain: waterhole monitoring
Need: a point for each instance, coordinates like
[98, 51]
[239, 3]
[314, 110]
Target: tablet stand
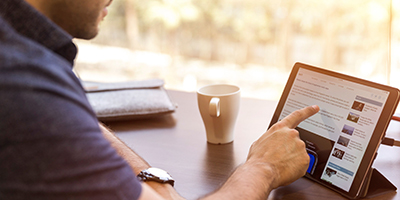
[376, 184]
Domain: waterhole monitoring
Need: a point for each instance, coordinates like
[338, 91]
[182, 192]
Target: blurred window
[253, 44]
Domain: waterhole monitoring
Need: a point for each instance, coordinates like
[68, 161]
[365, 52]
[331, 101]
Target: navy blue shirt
[50, 144]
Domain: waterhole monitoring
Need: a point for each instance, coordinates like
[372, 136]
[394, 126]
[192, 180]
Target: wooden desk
[177, 143]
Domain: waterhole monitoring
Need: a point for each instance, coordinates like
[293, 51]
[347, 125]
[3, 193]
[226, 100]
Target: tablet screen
[339, 135]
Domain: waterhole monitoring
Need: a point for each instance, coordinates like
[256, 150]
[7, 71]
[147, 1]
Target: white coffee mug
[219, 107]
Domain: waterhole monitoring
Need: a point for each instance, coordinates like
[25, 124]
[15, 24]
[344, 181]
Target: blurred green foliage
[333, 33]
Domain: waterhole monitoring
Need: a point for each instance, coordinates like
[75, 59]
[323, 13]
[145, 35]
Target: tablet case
[376, 184]
[128, 100]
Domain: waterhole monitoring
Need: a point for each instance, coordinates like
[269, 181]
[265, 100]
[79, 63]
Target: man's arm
[277, 158]
[138, 164]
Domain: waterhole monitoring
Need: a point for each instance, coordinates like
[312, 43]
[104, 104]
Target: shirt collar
[30, 23]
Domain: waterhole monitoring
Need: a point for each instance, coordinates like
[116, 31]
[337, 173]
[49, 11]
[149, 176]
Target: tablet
[343, 137]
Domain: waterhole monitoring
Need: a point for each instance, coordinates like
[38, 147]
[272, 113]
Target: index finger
[298, 116]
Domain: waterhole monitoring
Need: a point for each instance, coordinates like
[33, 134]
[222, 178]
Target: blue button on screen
[312, 161]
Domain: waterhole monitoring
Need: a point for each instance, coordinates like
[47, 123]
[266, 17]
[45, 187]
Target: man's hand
[281, 150]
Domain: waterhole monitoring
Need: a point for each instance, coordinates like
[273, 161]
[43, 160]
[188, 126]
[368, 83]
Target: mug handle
[214, 108]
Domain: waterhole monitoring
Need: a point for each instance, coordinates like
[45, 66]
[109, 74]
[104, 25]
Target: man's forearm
[249, 181]
[136, 162]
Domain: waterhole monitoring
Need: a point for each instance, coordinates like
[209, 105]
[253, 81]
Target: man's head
[80, 18]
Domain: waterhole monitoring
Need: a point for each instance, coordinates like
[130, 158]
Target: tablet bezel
[378, 134]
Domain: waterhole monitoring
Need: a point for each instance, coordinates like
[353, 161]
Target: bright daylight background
[253, 44]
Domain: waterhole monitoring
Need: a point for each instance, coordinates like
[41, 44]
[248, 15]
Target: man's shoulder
[16, 48]
[31, 74]
[39, 66]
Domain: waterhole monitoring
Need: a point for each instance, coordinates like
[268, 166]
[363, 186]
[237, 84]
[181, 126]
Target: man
[51, 145]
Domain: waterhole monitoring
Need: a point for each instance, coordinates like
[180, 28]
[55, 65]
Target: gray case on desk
[128, 100]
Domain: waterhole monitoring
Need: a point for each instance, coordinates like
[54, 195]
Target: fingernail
[316, 107]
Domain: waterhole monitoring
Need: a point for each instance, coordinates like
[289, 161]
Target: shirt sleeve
[51, 146]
